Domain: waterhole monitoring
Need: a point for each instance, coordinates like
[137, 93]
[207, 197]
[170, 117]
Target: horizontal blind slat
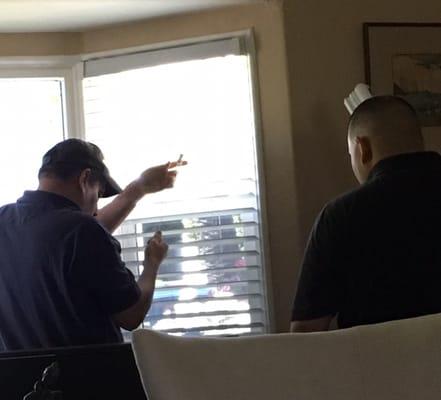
[236, 304]
[130, 232]
[250, 212]
[219, 291]
[205, 263]
[174, 248]
[214, 273]
[248, 297]
[203, 322]
[211, 328]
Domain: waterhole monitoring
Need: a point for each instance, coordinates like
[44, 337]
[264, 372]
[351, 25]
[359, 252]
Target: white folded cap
[357, 96]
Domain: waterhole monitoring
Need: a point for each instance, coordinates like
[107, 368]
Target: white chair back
[398, 360]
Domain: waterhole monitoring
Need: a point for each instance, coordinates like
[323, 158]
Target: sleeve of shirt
[319, 288]
[98, 268]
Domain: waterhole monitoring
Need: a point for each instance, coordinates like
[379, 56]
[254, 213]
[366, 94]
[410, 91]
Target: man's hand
[151, 180]
[312, 325]
[157, 178]
[155, 251]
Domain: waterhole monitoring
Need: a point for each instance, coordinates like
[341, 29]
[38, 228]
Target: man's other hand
[155, 251]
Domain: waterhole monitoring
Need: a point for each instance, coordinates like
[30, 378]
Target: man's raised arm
[151, 180]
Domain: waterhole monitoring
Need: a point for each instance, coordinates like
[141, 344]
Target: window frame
[71, 68]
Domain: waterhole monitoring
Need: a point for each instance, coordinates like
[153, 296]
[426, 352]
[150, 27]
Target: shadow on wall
[319, 177]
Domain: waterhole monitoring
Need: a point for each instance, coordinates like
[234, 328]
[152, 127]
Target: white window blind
[144, 59]
[212, 282]
[32, 121]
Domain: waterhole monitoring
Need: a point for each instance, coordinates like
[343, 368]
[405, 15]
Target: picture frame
[404, 59]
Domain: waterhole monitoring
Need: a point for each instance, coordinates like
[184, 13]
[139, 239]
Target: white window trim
[71, 69]
[66, 67]
[266, 267]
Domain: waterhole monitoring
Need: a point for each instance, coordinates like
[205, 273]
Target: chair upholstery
[399, 360]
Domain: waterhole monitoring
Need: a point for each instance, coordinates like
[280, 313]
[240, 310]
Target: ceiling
[78, 15]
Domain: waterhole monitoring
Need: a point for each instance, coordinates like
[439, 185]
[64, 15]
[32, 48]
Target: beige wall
[325, 57]
[267, 22]
[39, 44]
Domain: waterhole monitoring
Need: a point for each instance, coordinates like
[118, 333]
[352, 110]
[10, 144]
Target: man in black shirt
[374, 254]
[62, 281]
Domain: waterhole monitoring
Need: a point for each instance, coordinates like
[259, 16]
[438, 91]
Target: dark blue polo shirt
[61, 276]
[374, 254]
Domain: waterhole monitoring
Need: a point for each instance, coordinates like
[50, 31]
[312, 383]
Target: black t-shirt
[374, 254]
[61, 276]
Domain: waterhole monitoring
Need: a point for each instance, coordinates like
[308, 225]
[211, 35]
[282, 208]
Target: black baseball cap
[77, 152]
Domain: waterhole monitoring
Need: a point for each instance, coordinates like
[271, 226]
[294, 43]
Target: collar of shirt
[408, 161]
[47, 198]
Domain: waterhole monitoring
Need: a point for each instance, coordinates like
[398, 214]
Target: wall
[267, 23]
[39, 44]
[325, 58]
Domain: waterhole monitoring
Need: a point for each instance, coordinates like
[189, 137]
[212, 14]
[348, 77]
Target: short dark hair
[384, 109]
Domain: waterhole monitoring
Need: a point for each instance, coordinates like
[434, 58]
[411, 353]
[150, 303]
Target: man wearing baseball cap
[62, 281]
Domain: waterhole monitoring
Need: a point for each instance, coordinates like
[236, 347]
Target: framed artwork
[404, 59]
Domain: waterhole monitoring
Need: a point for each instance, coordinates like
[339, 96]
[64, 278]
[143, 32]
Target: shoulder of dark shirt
[79, 221]
[64, 224]
[61, 215]
[6, 207]
[85, 222]
[88, 228]
[346, 203]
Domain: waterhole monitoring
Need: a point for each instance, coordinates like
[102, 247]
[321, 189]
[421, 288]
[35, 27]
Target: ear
[83, 178]
[365, 149]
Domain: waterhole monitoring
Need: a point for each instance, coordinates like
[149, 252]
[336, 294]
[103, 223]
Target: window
[148, 107]
[32, 121]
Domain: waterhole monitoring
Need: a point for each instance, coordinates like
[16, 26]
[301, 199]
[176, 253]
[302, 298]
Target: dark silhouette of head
[381, 127]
